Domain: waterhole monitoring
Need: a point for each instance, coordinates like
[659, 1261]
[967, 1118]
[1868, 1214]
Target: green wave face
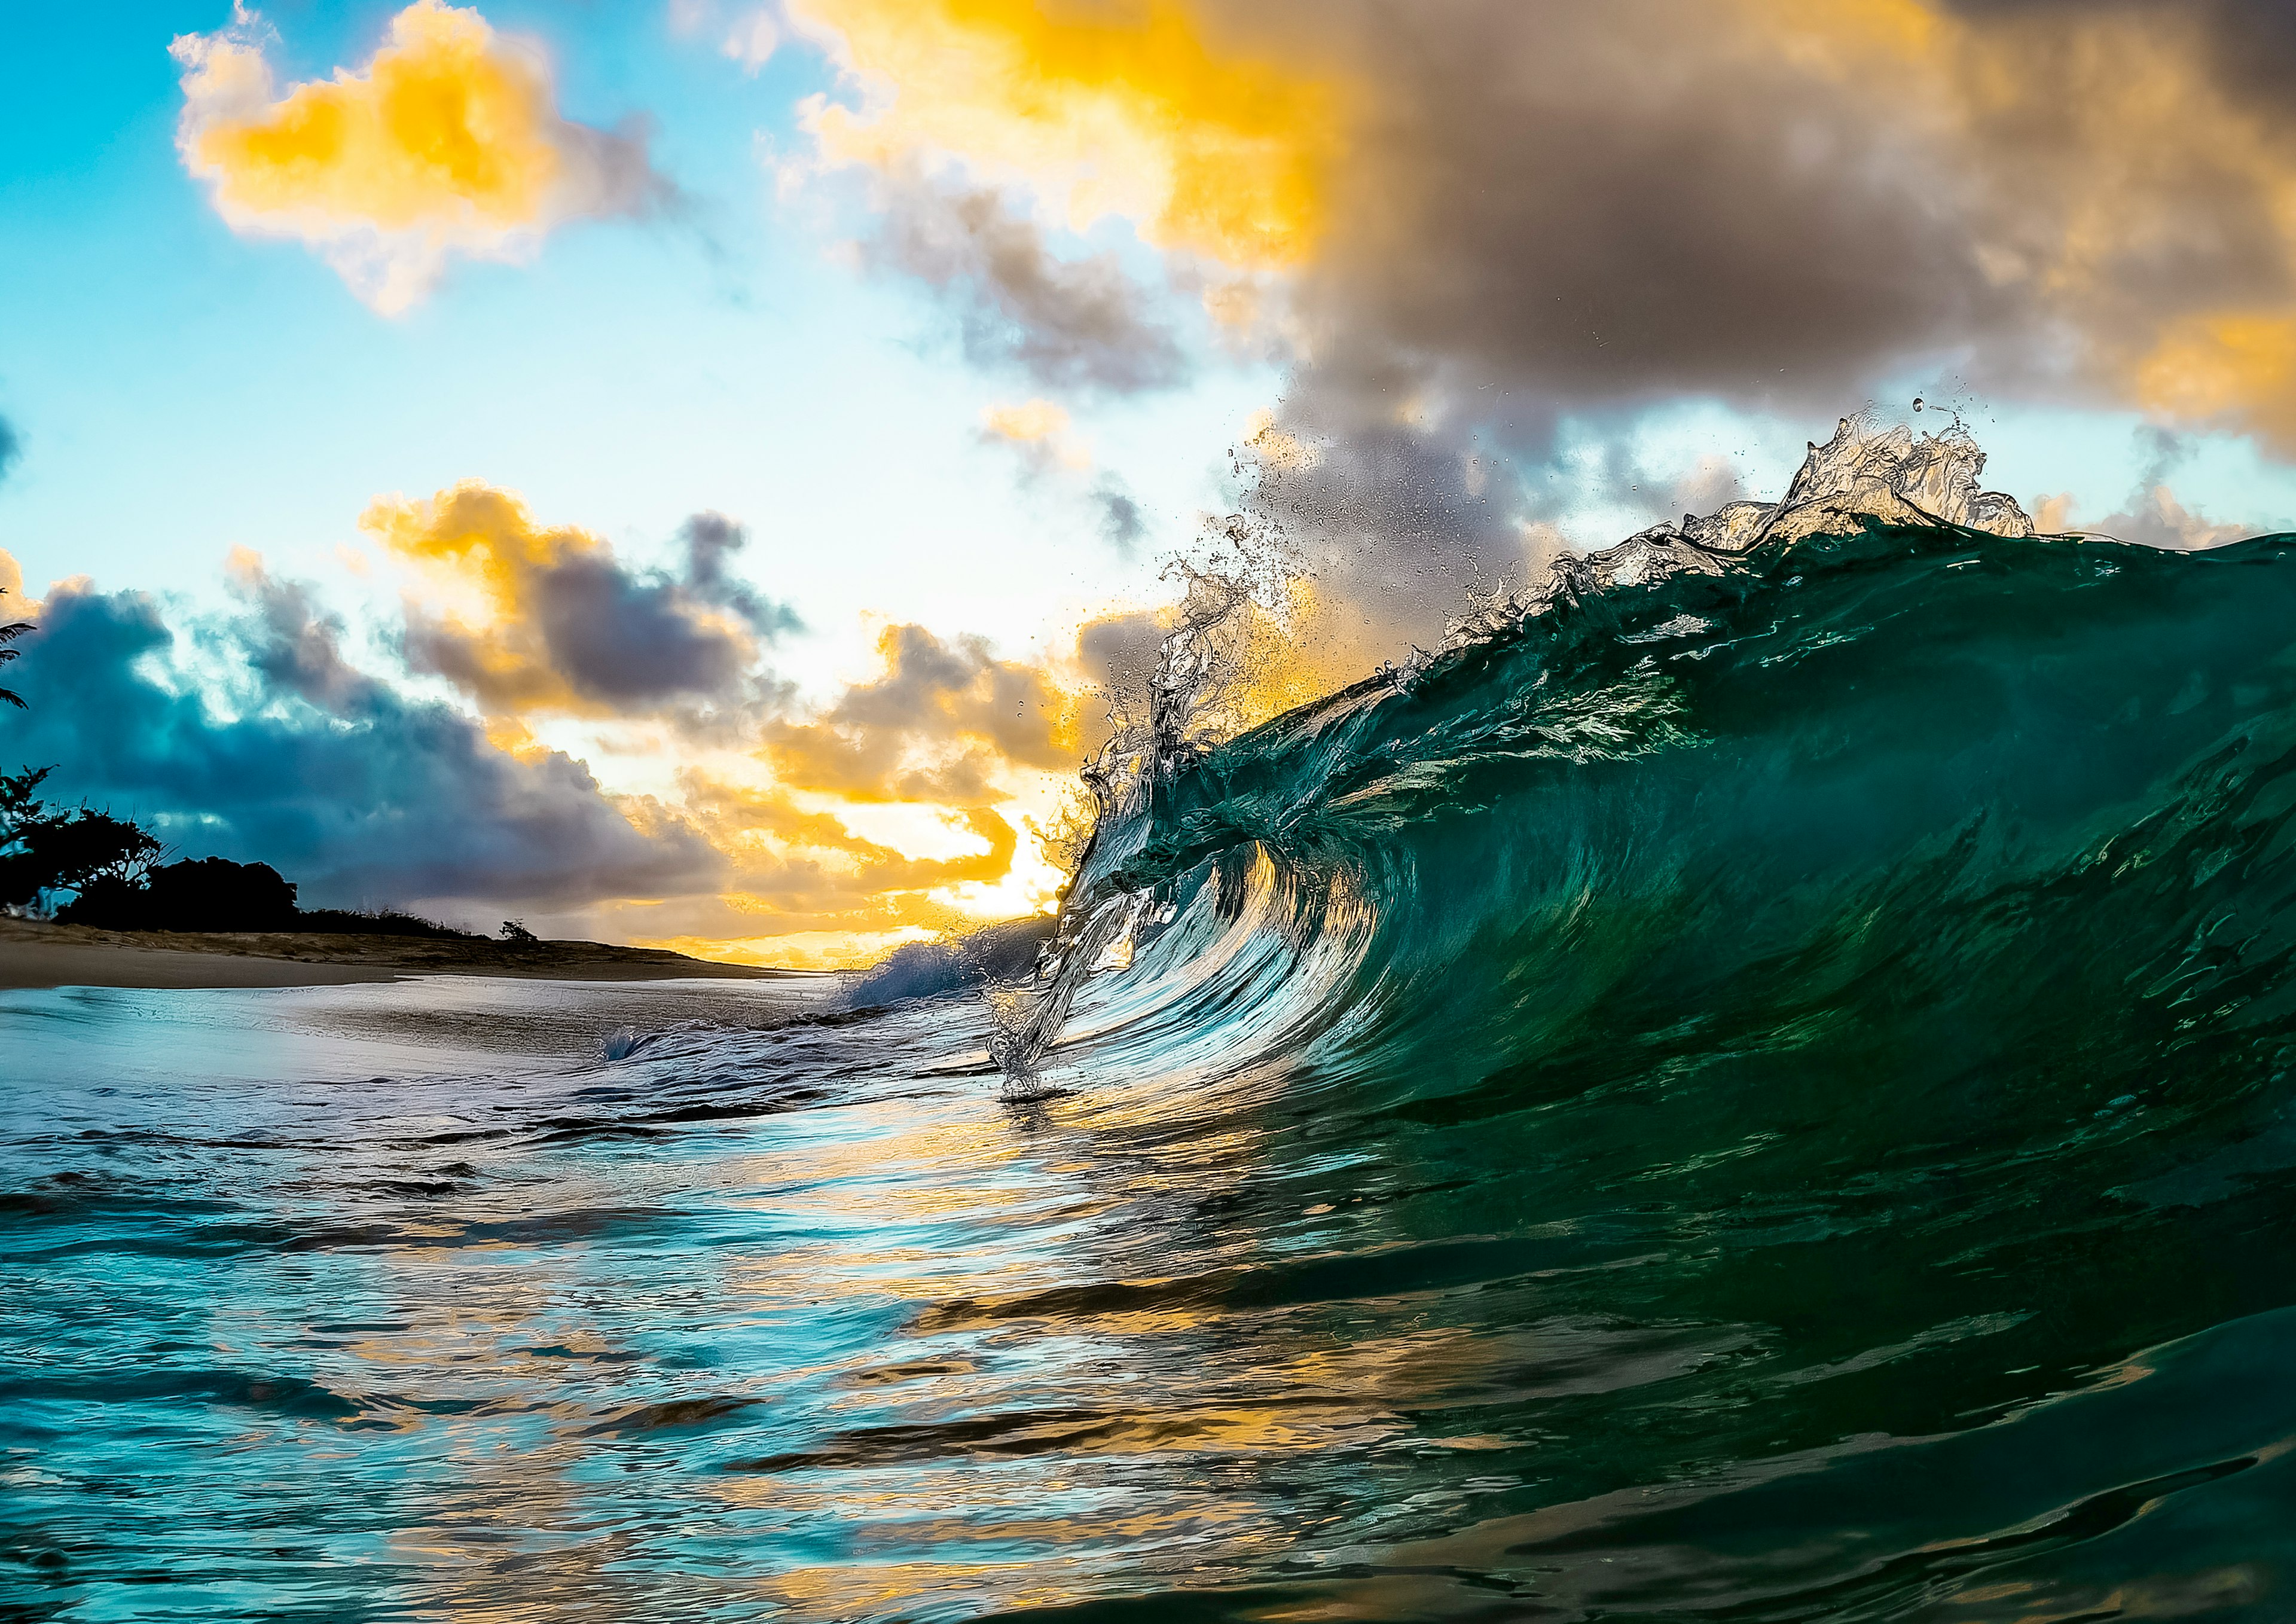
[1867, 970]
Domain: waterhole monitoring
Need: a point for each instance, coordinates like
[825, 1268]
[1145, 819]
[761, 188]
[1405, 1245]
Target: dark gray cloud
[626, 640]
[1395, 522]
[1588, 208]
[576, 627]
[357, 791]
[1065, 324]
[1621, 202]
[1542, 217]
[710, 539]
[1118, 652]
[294, 647]
[2252, 43]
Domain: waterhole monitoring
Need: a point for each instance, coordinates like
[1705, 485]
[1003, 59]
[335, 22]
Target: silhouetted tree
[49, 848]
[199, 894]
[46, 850]
[21, 812]
[8, 634]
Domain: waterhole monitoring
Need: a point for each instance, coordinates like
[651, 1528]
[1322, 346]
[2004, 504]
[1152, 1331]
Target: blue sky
[180, 390]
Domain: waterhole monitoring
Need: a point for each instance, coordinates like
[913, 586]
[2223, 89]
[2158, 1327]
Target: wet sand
[33, 955]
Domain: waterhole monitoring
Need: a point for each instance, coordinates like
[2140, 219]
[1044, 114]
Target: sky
[695, 472]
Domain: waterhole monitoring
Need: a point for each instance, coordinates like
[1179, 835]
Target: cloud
[1209, 149]
[894, 810]
[2155, 518]
[293, 645]
[1267, 634]
[1117, 652]
[1039, 433]
[448, 142]
[1064, 324]
[1780, 202]
[942, 722]
[251, 737]
[711, 538]
[2151, 515]
[805, 871]
[1480, 233]
[971, 113]
[751, 41]
[1122, 524]
[2236, 369]
[891, 812]
[555, 622]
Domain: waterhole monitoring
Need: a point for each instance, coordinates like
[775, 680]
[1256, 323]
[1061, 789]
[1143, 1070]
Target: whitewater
[1753, 1082]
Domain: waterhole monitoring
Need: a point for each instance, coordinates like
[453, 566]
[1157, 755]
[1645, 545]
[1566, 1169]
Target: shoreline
[37, 955]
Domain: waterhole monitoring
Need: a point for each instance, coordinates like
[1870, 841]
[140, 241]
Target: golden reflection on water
[498, 1361]
[848, 1360]
[1135, 1416]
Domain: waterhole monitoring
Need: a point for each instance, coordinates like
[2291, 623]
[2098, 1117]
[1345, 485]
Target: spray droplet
[1917, 403]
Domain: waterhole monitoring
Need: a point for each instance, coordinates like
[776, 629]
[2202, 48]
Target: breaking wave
[1874, 920]
[1754, 1083]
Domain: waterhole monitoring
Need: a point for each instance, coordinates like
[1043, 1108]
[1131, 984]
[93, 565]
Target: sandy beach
[34, 954]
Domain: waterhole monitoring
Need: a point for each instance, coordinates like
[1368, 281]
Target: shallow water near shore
[1763, 1096]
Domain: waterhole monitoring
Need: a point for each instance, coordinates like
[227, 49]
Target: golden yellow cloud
[1208, 148]
[945, 722]
[479, 547]
[936, 794]
[448, 142]
[2237, 368]
[805, 888]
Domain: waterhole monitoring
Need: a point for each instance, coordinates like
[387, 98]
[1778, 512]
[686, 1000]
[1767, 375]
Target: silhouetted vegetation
[515, 931]
[216, 894]
[206, 894]
[379, 921]
[8, 634]
[47, 848]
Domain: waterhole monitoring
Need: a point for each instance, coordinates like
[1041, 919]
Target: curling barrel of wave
[1900, 795]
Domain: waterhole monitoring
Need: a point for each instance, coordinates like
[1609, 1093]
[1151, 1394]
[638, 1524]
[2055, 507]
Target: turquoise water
[1757, 1096]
